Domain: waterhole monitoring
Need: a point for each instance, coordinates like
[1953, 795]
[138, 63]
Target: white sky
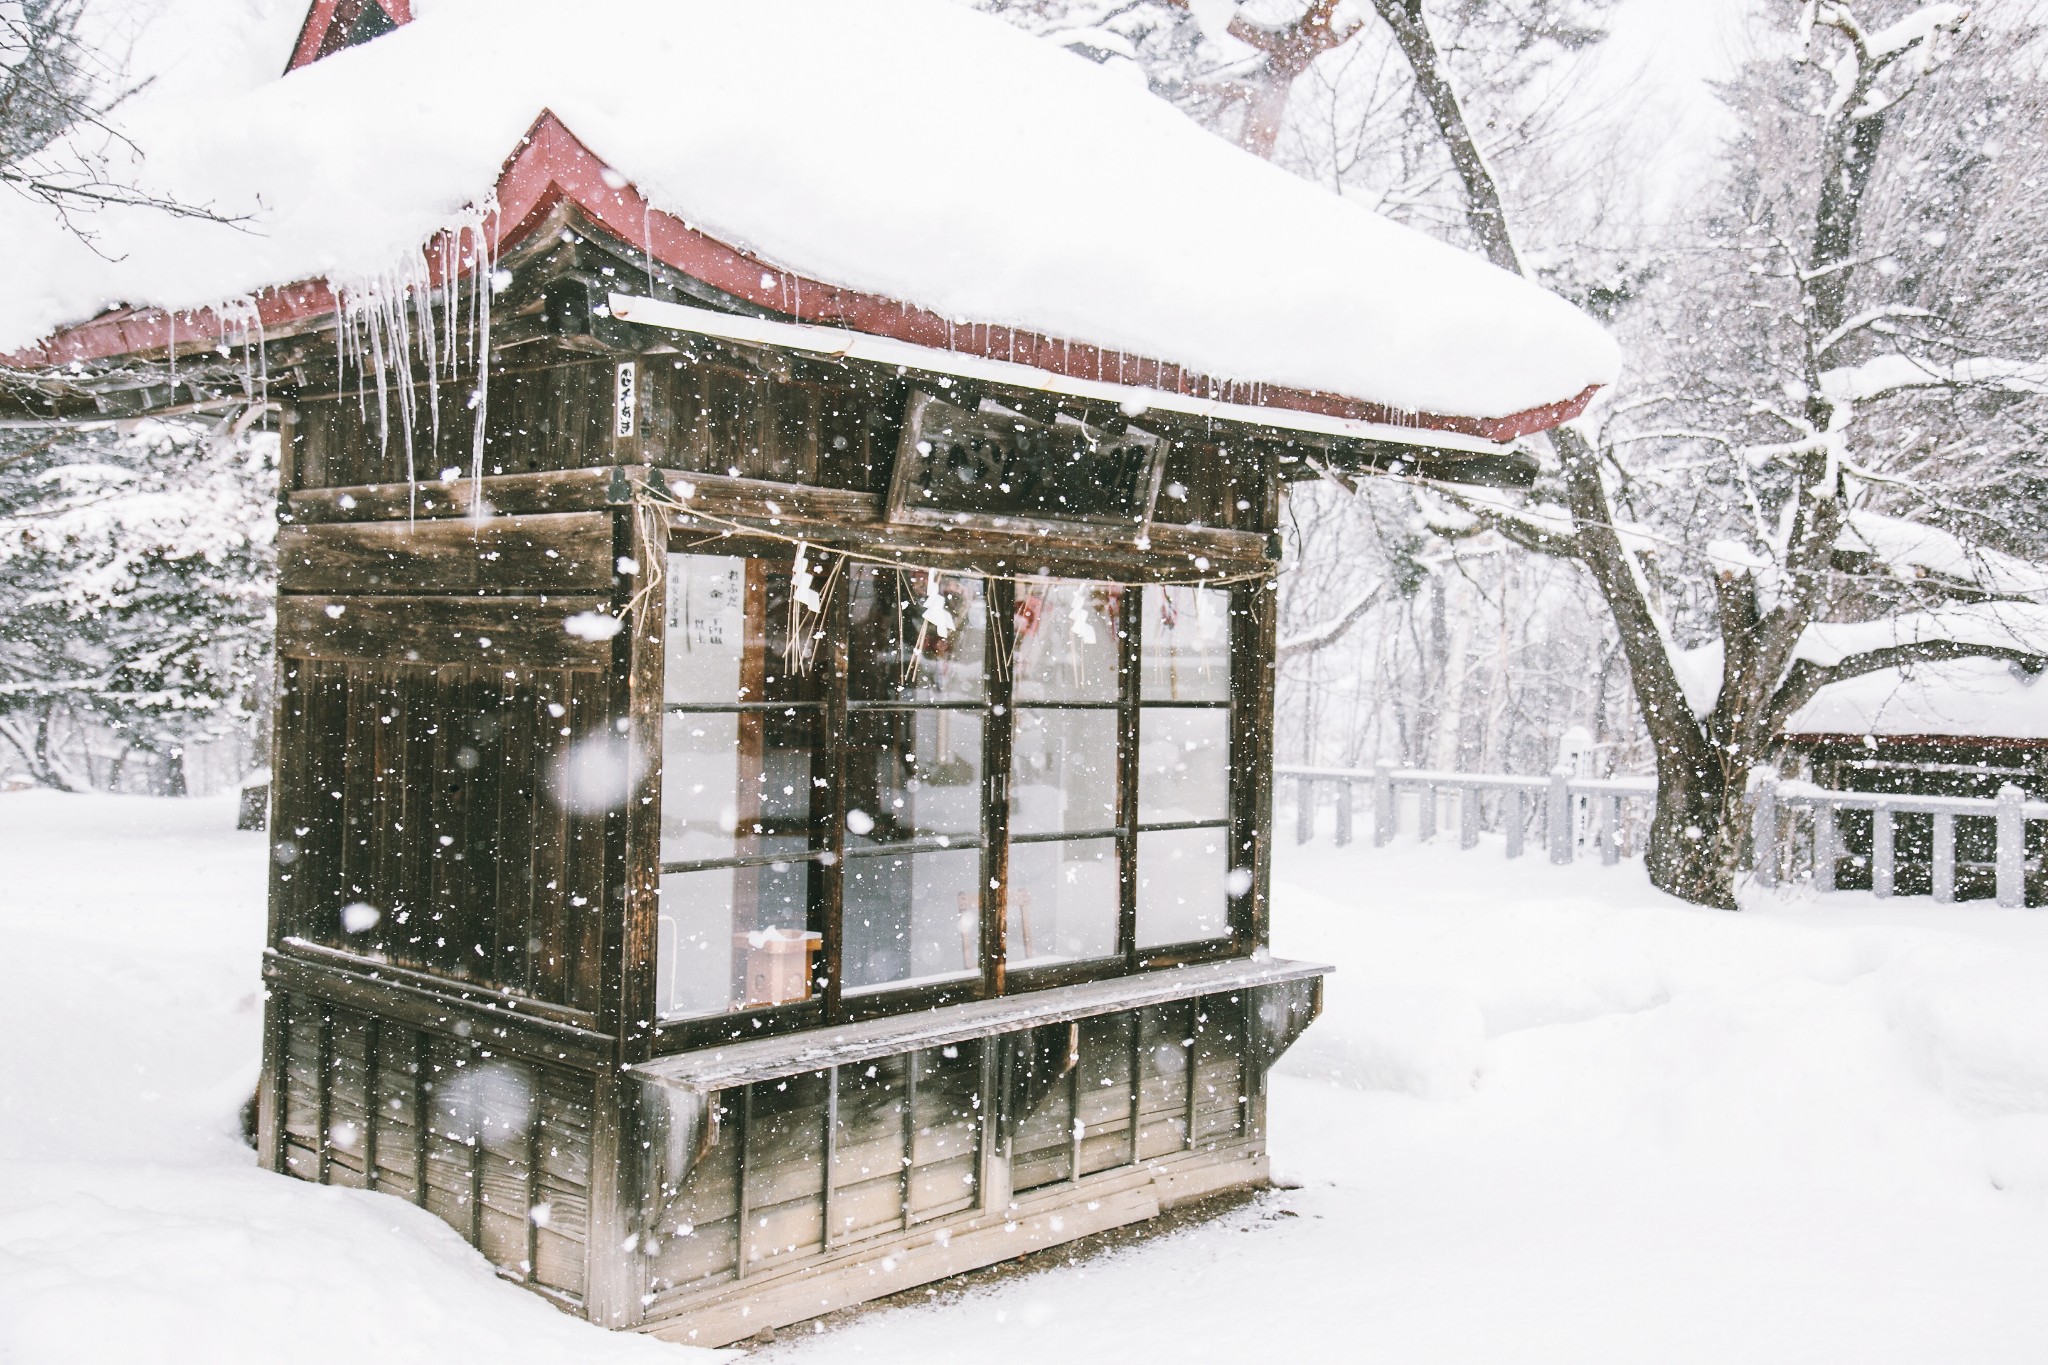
[1658, 62]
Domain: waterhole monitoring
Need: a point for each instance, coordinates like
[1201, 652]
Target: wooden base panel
[933, 1251]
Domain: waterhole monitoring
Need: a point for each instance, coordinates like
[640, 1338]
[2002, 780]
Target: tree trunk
[1695, 844]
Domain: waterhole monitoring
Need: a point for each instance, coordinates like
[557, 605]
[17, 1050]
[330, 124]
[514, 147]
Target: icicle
[387, 319]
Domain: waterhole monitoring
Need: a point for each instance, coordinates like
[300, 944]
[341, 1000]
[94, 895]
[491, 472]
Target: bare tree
[1831, 316]
[57, 135]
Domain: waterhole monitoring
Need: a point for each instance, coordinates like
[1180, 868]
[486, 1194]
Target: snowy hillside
[1549, 1115]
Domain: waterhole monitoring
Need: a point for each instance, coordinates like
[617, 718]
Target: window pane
[1066, 640]
[912, 918]
[897, 651]
[728, 633]
[1063, 771]
[912, 774]
[730, 780]
[1186, 646]
[1062, 901]
[1183, 886]
[734, 938]
[1183, 764]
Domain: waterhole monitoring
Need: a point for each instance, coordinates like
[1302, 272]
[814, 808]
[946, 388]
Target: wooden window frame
[829, 1004]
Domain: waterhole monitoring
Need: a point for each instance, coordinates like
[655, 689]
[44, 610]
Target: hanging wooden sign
[958, 465]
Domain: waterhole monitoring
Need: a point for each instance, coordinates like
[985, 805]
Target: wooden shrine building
[773, 788]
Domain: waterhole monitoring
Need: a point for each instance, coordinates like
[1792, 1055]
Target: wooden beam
[792, 1054]
[567, 553]
[507, 632]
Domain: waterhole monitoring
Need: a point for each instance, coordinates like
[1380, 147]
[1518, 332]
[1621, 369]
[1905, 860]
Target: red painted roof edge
[320, 18]
[551, 165]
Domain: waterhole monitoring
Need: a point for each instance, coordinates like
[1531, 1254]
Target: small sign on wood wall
[959, 464]
[625, 398]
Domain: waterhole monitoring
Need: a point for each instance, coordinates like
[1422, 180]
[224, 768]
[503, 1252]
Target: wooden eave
[552, 169]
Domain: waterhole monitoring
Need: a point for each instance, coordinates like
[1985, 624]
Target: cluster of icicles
[386, 320]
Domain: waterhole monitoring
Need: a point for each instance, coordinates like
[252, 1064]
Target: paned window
[917, 701]
[954, 782]
[739, 922]
[1064, 898]
[1183, 766]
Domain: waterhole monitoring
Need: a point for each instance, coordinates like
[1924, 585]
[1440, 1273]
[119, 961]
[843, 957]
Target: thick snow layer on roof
[1913, 551]
[2021, 627]
[1959, 697]
[906, 148]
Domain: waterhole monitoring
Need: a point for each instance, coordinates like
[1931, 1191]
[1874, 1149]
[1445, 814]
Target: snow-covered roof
[907, 167]
[1955, 698]
[1915, 552]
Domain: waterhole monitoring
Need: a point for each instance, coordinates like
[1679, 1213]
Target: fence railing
[1571, 809]
[1771, 799]
[1791, 823]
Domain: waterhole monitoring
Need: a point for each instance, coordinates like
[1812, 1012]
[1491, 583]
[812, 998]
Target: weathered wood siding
[837, 430]
[437, 800]
[496, 1146]
[781, 1174]
[692, 416]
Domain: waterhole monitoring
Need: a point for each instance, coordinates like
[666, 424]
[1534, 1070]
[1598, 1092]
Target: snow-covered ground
[1549, 1115]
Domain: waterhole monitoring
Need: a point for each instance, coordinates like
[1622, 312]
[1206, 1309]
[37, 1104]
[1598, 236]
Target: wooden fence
[1795, 827]
[1776, 841]
[1572, 810]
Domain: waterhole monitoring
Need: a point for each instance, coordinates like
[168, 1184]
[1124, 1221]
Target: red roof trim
[552, 166]
[321, 25]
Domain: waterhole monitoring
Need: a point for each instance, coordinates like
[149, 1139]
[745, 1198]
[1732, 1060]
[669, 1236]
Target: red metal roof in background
[331, 26]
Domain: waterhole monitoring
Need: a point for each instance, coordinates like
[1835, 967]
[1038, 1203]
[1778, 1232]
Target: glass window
[1063, 771]
[912, 918]
[1062, 901]
[758, 796]
[735, 938]
[1064, 898]
[1183, 886]
[1183, 764]
[917, 694]
[913, 773]
[736, 783]
[738, 925]
[1183, 890]
[917, 637]
[1066, 641]
[1186, 644]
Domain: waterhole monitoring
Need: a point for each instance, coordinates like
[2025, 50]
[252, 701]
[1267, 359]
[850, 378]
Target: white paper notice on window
[706, 627]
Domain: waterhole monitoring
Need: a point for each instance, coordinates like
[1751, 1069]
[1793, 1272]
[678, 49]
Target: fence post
[2012, 847]
[1385, 817]
[1305, 811]
[1883, 863]
[1425, 818]
[1610, 830]
[1557, 817]
[1468, 816]
[1343, 813]
[1944, 857]
[1513, 815]
[1826, 846]
[1763, 829]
